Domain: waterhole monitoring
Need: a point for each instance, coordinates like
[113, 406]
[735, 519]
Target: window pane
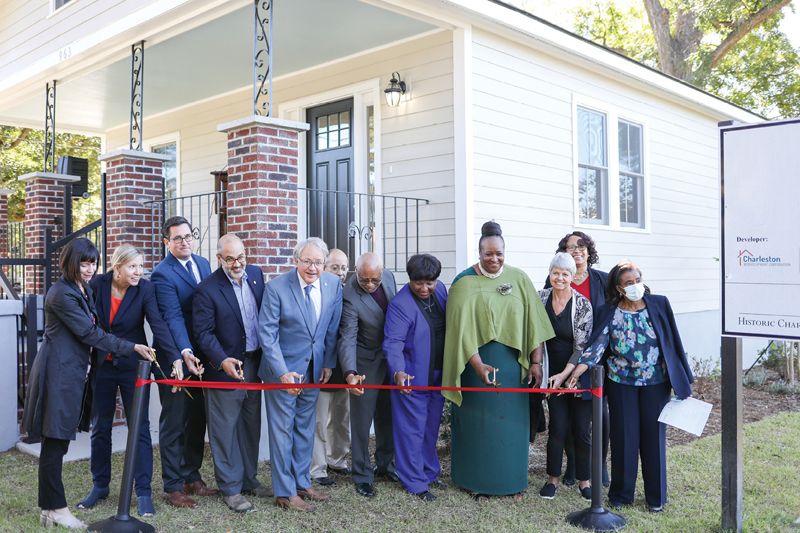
[322, 125]
[630, 147]
[631, 200]
[170, 167]
[592, 197]
[591, 138]
[322, 141]
[344, 136]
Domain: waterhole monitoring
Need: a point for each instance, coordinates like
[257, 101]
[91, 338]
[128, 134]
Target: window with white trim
[610, 169]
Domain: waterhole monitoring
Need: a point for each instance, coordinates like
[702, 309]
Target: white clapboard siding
[416, 137]
[524, 168]
[28, 32]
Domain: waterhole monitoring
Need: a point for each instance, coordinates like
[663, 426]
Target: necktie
[312, 313]
[191, 270]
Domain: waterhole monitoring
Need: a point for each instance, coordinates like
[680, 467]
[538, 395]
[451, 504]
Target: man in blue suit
[225, 320]
[182, 425]
[298, 325]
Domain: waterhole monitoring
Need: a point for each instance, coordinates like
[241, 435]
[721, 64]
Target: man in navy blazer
[298, 325]
[182, 425]
[225, 320]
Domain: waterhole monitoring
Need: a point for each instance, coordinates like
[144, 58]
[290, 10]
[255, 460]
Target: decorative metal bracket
[363, 232]
[137, 96]
[50, 127]
[262, 58]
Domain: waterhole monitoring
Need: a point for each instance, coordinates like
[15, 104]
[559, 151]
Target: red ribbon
[598, 391]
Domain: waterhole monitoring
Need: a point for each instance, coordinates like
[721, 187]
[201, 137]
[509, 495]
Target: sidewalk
[80, 448]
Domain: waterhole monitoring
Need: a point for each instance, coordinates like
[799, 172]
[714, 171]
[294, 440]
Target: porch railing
[206, 213]
[362, 222]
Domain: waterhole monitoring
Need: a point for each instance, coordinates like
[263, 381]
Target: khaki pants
[332, 435]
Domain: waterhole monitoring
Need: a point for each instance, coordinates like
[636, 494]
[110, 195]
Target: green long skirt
[491, 430]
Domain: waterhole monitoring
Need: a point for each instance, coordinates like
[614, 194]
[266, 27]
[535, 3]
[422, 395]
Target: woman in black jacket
[123, 300]
[53, 406]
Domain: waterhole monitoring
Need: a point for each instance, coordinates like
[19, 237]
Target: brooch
[504, 289]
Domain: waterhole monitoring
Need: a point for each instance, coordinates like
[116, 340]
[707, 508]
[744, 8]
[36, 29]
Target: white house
[504, 117]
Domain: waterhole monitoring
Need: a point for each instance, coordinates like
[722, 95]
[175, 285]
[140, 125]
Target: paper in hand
[689, 415]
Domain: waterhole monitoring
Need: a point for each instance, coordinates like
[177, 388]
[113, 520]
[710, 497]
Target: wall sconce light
[394, 90]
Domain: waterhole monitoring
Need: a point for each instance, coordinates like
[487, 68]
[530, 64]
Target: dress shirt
[195, 269]
[316, 294]
[248, 308]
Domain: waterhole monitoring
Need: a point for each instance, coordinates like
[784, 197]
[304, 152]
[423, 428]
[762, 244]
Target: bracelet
[536, 362]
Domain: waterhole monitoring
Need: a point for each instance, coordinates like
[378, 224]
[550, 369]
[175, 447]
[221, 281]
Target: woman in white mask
[636, 338]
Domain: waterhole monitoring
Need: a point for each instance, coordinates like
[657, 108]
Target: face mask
[634, 292]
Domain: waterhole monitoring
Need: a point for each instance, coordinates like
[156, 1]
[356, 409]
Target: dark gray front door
[330, 173]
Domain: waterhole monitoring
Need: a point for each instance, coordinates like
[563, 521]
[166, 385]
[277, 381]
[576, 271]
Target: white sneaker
[61, 517]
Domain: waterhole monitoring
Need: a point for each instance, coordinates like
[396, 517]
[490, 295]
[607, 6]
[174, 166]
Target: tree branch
[743, 27]
[23, 134]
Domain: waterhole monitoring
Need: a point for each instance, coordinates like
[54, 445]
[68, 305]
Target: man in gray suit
[364, 300]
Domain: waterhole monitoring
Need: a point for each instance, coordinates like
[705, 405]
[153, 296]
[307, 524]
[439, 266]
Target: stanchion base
[113, 525]
[596, 519]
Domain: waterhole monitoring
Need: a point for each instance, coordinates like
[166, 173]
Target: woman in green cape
[495, 327]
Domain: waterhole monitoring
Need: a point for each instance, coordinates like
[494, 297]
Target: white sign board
[761, 230]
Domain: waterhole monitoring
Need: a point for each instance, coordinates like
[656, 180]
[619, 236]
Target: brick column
[4, 222]
[134, 178]
[44, 208]
[262, 188]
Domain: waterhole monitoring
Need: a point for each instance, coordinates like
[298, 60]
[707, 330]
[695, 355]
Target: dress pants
[51, 487]
[417, 417]
[373, 405]
[104, 403]
[332, 435]
[234, 429]
[291, 421]
[569, 415]
[181, 436]
[636, 432]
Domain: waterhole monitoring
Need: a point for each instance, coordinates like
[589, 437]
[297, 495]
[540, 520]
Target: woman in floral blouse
[636, 337]
[570, 314]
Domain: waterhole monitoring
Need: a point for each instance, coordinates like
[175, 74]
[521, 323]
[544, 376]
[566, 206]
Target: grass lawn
[772, 499]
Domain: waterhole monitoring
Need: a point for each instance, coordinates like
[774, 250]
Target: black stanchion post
[596, 517]
[123, 522]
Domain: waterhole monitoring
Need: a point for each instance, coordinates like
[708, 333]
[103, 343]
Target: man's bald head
[369, 270]
[337, 263]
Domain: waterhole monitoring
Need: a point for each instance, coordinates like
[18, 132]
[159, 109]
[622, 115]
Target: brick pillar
[134, 178]
[4, 222]
[262, 188]
[44, 208]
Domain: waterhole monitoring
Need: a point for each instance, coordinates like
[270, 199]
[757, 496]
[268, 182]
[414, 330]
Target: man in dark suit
[182, 425]
[364, 300]
[225, 319]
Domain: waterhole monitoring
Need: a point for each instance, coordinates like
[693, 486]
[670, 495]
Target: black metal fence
[361, 222]
[206, 213]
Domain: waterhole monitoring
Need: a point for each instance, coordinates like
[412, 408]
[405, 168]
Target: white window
[610, 169]
[170, 167]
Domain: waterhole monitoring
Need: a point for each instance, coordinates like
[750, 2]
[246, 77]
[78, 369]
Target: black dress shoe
[426, 496]
[365, 489]
[341, 471]
[387, 475]
[326, 481]
[438, 484]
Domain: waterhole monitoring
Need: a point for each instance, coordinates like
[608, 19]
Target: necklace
[488, 275]
[427, 304]
[579, 278]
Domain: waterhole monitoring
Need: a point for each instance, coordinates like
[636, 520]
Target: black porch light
[394, 90]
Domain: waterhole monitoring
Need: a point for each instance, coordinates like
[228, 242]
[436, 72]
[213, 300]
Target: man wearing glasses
[365, 299]
[182, 424]
[225, 323]
[298, 325]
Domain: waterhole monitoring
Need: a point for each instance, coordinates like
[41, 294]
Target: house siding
[524, 170]
[416, 137]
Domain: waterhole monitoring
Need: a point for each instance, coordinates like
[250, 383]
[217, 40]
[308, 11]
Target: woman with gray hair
[570, 314]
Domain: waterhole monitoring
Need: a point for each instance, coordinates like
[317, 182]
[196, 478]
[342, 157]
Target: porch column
[134, 194]
[44, 208]
[4, 222]
[262, 188]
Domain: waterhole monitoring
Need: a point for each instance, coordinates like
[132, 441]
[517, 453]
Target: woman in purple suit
[414, 347]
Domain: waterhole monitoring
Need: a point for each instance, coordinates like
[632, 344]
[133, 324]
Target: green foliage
[760, 72]
[22, 151]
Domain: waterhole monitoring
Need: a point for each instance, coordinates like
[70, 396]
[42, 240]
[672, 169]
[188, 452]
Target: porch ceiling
[215, 58]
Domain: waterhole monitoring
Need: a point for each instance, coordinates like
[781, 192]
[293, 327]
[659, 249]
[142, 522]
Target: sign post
[760, 178]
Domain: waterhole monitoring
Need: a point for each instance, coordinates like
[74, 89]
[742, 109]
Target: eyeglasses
[368, 281]
[308, 263]
[572, 248]
[242, 259]
[178, 239]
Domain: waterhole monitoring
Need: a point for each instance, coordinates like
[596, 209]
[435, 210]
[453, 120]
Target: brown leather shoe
[179, 499]
[199, 488]
[311, 494]
[295, 503]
